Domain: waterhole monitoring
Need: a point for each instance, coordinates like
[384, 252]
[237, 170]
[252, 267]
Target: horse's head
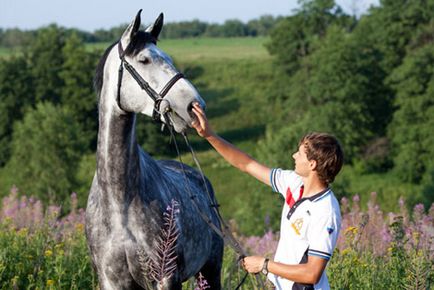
[149, 82]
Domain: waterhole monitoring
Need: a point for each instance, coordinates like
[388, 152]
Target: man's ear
[312, 164]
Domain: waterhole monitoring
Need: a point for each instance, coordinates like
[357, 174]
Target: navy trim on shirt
[312, 198]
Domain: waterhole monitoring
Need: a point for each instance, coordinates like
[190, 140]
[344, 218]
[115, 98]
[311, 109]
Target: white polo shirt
[309, 227]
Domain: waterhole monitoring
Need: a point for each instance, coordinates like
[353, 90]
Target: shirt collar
[319, 195]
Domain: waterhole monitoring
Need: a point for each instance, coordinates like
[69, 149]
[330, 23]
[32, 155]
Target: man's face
[302, 164]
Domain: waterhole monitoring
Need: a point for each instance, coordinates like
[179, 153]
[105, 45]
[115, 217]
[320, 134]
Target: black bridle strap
[144, 85]
[170, 84]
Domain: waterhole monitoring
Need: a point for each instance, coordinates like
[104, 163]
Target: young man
[311, 219]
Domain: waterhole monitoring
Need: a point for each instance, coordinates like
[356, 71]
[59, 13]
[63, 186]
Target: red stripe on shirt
[290, 199]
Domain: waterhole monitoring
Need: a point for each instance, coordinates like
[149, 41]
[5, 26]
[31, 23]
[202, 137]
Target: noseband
[156, 97]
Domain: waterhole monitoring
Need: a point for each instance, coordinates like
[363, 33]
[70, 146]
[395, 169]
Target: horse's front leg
[113, 272]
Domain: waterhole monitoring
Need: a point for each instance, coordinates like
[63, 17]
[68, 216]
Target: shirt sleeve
[322, 234]
[281, 180]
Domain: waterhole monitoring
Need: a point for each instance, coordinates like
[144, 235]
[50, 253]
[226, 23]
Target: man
[311, 219]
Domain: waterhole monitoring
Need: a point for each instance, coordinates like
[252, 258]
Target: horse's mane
[139, 40]
[99, 72]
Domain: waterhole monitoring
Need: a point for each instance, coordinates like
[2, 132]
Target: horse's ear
[155, 28]
[131, 30]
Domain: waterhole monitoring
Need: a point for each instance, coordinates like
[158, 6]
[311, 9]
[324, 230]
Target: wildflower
[50, 282]
[401, 202]
[79, 227]
[356, 198]
[345, 251]
[351, 230]
[201, 283]
[48, 253]
[23, 232]
[59, 246]
[416, 236]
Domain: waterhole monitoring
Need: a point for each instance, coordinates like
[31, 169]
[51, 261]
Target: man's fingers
[200, 117]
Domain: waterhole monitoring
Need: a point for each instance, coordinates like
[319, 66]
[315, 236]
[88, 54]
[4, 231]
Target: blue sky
[93, 14]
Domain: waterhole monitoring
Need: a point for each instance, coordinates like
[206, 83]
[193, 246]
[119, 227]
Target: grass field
[4, 52]
[206, 49]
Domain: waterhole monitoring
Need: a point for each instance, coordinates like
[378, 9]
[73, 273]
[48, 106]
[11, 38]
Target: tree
[46, 150]
[261, 26]
[46, 59]
[337, 89]
[413, 120]
[16, 94]
[184, 29]
[399, 20]
[234, 28]
[294, 36]
[77, 94]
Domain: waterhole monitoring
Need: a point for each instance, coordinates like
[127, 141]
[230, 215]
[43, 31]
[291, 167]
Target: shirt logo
[297, 225]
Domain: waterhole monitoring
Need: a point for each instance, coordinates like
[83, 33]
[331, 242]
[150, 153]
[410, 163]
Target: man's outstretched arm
[230, 153]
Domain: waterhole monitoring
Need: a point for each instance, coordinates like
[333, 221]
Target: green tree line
[369, 81]
[15, 37]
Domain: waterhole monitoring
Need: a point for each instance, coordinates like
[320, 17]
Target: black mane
[99, 72]
[136, 45]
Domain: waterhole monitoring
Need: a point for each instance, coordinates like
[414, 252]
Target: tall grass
[42, 249]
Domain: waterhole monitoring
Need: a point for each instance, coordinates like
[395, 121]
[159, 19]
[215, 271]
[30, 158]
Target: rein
[225, 233]
[144, 85]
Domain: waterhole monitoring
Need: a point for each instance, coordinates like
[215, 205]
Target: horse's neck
[118, 160]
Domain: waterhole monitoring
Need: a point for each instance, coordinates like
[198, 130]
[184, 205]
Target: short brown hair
[326, 150]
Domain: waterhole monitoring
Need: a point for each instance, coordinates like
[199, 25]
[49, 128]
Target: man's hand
[253, 264]
[201, 123]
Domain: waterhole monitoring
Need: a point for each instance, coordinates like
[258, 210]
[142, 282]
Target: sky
[95, 14]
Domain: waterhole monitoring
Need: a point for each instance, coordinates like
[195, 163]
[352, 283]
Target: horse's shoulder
[176, 166]
[180, 168]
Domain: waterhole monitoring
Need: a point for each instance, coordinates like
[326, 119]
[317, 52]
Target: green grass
[3, 51]
[207, 49]
[7, 52]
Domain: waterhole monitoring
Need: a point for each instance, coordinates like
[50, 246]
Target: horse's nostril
[190, 107]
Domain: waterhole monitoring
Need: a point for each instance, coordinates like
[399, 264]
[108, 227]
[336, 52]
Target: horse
[131, 192]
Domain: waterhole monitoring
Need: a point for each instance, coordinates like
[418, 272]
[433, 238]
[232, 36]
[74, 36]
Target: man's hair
[326, 150]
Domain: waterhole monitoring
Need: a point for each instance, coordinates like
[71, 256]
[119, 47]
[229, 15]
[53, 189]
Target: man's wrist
[211, 136]
[265, 267]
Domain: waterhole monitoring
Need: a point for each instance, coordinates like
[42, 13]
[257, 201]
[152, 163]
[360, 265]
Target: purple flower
[401, 202]
[356, 198]
[201, 283]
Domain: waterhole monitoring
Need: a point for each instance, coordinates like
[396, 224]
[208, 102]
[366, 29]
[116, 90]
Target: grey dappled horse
[130, 190]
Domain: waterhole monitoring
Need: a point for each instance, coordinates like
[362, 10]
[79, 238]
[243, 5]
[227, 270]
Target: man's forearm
[230, 153]
[301, 273]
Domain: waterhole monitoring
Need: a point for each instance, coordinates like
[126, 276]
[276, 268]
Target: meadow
[206, 49]
[40, 249]
[385, 241]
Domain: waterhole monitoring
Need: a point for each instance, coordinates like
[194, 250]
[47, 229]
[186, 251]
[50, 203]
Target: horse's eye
[144, 60]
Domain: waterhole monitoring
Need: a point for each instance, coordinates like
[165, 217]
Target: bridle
[144, 85]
